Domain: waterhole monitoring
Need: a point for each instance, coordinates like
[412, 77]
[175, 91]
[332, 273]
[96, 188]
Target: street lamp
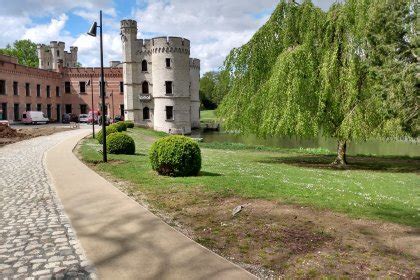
[90, 83]
[92, 32]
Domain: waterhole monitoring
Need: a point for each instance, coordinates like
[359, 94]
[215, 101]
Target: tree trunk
[341, 153]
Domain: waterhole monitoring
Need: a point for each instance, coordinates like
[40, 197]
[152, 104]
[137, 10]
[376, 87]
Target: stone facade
[56, 89]
[161, 81]
[54, 56]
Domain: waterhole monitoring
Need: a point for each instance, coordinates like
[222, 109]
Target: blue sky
[214, 27]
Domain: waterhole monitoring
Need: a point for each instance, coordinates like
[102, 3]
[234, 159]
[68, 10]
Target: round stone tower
[161, 81]
[171, 83]
[131, 70]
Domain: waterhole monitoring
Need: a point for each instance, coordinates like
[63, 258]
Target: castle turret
[73, 56]
[171, 81]
[52, 56]
[194, 92]
[131, 70]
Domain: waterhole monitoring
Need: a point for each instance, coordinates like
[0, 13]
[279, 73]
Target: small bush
[121, 126]
[129, 124]
[120, 143]
[108, 130]
[176, 156]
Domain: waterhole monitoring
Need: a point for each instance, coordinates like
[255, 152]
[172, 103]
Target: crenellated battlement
[174, 42]
[164, 45]
[194, 63]
[129, 23]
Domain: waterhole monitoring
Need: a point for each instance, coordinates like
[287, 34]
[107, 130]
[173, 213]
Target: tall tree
[207, 89]
[213, 87]
[307, 72]
[24, 50]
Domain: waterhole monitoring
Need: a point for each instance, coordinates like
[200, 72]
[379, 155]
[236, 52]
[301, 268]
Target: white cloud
[92, 15]
[47, 32]
[214, 27]
[26, 8]
[11, 28]
[89, 49]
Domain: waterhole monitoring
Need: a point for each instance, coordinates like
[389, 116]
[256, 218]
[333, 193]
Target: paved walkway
[121, 238]
[36, 239]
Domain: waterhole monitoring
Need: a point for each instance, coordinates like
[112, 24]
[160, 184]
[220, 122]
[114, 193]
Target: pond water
[372, 147]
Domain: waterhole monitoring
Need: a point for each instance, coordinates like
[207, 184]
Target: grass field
[252, 172]
[301, 219]
[208, 116]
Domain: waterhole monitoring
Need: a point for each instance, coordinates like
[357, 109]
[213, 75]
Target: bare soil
[9, 135]
[274, 240]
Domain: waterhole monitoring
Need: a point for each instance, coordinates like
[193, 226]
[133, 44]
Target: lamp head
[92, 30]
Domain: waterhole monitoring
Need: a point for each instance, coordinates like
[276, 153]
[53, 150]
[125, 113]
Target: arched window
[146, 113]
[144, 65]
[145, 87]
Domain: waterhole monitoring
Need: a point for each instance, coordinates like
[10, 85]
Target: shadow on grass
[209, 174]
[373, 163]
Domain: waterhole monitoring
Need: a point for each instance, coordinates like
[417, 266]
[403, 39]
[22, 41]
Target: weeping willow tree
[307, 72]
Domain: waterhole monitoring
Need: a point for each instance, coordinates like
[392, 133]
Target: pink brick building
[57, 91]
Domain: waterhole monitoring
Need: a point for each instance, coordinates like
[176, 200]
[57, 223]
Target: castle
[161, 82]
[53, 57]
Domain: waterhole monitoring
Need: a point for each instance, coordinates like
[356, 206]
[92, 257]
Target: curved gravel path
[36, 238]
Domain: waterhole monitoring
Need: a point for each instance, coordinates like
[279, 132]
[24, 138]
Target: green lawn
[379, 188]
[208, 116]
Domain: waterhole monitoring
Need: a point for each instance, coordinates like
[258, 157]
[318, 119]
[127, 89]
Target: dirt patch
[9, 135]
[276, 240]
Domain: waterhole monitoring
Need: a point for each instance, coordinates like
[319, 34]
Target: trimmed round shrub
[120, 143]
[176, 156]
[121, 126]
[108, 130]
[129, 124]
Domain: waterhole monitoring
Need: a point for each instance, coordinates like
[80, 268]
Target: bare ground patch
[10, 135]
[276, 240]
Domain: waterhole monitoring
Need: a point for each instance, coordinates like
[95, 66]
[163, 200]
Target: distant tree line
[348, 73]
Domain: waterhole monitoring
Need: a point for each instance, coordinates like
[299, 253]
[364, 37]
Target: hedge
[176, 156]
[108, 130]
[129, 124]
[120, 143]
[121, 126]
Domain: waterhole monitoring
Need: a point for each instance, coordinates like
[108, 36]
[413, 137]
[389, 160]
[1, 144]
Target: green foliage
[24, 50]
[129, 124]
[348, 73]
[108, 130]
[176, 156]
[121, 126]
[212, 89]
[120, 143]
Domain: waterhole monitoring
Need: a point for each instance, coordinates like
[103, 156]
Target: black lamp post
[92, 32]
